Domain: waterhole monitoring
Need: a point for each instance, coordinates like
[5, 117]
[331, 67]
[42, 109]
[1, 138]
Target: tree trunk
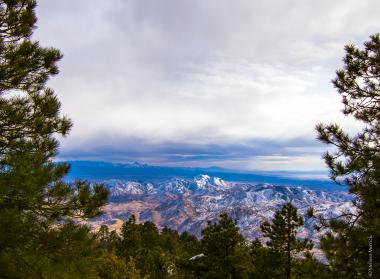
[288, 265]
[288, 269]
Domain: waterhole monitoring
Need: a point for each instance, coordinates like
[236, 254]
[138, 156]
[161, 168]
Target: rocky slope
[188, 204]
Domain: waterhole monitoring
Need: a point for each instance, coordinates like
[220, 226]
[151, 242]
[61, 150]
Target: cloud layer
[232, 83]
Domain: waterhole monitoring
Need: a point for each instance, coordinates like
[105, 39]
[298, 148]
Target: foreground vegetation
[39, 239]
[222, 251]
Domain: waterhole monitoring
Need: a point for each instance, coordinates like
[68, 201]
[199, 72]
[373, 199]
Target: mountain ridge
[189, 204]
[96, 171]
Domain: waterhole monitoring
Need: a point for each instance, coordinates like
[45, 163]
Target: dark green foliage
[191, 245]
[155, 254]
[225, 252]
[347, 251]
[309, 267]
[269, 263]
[36, 237]
[107, 240]
[30, 119]
[356, 161]
[221, 253]
[282, 234]
[108, 265]
[67, 251]
[24, 64]
[266, 263]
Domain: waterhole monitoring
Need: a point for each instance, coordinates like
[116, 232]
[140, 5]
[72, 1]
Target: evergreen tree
[282, 234]
[131, 241]
[224, 249]
[35, 203]
[309, 267]
[356, 163]
[265, 262]
[113, 267]
[141, 242]
[190, 245]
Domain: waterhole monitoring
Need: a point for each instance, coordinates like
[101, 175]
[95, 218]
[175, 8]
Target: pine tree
[141, 242]
[282, 234]
[224, 249]
[356, 162]
[34, 200]
[266, 262]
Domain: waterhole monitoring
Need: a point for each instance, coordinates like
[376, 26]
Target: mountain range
[100, 171]
[186, 199]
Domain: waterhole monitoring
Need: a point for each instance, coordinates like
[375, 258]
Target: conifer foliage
[34, 200]
[224, 248]
[356, 162]
[156, 254]
[282, 234]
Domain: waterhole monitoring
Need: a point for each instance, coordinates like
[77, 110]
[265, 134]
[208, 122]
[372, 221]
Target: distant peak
[204, 180]
[137, 165]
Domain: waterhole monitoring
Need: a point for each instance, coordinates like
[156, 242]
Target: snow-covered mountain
[188, 204]
[100, 171]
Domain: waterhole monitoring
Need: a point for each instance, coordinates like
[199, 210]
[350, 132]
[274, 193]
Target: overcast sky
[239, 84]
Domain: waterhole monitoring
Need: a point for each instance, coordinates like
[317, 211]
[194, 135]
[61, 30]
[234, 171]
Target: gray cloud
[205, 75]
[300, 154]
